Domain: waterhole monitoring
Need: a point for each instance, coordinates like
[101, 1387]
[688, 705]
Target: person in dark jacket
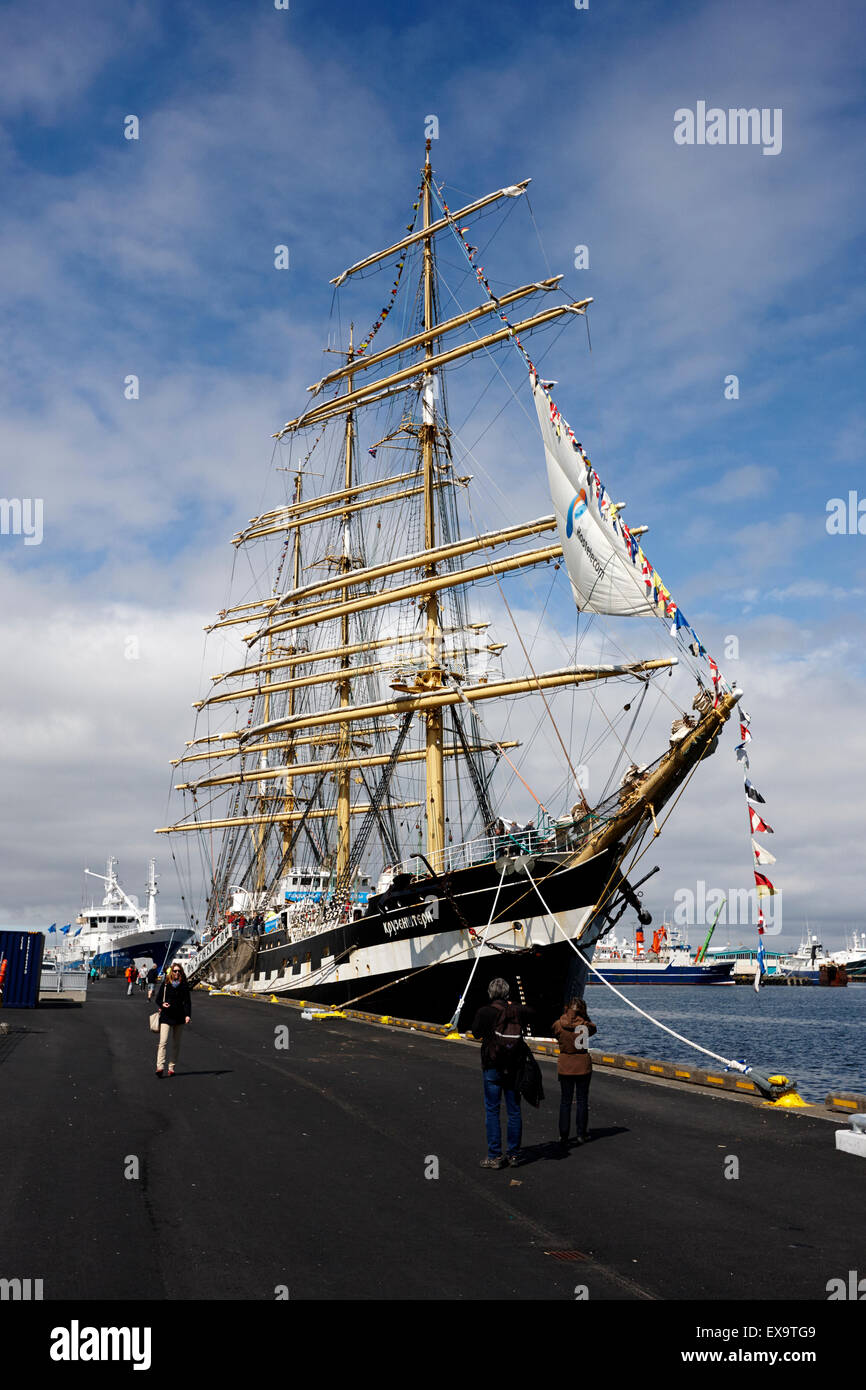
[152, 980]
[174, 1002]
[500, 1026]
[572, 1031]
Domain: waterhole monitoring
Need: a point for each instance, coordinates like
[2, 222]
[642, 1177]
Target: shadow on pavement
[552, 1149]
[179, 1075]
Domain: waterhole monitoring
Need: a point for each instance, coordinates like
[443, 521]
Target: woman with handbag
[173, 1003]
[573, 1031]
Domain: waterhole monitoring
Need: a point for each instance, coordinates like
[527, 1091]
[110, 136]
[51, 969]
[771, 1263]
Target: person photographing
[573, 1031]
[500, 1025]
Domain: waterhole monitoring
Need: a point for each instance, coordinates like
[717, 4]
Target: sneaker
[492, 1163]
[171, 1071]
[513, 1161]
[159, 1071]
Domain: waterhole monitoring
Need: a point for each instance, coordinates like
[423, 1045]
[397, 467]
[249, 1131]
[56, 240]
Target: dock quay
[338, 1158]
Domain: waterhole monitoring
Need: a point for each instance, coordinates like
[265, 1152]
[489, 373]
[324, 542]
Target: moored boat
[117, 932]
[373, 691]
[669, 961]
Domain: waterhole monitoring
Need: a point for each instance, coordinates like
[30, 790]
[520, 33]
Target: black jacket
[178, 1000]
[484, 1027]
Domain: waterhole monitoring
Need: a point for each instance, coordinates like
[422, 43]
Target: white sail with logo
[604, 563]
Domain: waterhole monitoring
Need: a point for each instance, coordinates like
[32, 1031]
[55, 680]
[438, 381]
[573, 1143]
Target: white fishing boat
[811, 956]
[117, 932]
[668, 960]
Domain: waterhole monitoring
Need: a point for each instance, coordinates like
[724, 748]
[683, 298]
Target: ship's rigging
[362, 710]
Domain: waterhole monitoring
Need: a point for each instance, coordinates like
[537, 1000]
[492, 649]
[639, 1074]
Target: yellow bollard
[790, 1100]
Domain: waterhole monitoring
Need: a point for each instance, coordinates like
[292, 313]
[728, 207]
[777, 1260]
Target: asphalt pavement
[340, 1160]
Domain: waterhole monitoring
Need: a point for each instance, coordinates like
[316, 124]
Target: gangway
[209, 953]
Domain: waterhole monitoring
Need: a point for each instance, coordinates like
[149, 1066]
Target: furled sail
[603, 559]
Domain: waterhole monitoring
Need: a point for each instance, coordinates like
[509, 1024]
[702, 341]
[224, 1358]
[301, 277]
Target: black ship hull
[413, 951]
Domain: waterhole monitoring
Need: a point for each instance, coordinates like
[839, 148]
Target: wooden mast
[290, 751]
[259, 832]
[344, 745]
[433, 718]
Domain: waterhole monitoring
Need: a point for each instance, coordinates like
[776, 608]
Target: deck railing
[482, 850]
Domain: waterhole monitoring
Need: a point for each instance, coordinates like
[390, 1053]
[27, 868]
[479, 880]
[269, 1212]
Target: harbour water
[817, 1037]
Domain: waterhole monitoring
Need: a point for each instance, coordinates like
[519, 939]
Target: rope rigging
[257, 854]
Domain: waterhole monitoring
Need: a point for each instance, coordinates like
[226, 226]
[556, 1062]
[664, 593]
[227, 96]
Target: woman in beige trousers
[174, 1003]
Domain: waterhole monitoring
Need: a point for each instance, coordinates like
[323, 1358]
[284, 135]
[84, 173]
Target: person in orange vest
[131, 977]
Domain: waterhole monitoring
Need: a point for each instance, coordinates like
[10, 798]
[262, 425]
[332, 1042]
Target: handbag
[528, 1081]
[153, 1021]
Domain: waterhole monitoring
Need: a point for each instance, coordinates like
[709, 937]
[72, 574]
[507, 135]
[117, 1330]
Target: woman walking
[174, 1003]
[573, 1031]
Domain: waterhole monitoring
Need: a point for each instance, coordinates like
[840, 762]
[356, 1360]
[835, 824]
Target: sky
[304, 127]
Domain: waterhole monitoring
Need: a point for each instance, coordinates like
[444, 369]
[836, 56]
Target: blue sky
[261, 127]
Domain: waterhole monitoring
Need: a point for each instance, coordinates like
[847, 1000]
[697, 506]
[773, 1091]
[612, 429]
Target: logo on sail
[577, 508]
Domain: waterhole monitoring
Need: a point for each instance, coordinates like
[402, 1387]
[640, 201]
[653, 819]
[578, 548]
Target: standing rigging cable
[343, 885]
[478, 786]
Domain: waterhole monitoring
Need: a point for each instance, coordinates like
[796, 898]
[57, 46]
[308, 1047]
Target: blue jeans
[494, 1084]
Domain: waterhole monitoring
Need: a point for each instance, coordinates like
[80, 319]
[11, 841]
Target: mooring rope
[462, 1001]
[728, 1062]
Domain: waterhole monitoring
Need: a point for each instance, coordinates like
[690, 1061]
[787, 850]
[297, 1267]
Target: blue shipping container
[22, 951]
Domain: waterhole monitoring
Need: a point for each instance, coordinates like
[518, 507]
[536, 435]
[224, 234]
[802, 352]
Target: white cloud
[153, 257]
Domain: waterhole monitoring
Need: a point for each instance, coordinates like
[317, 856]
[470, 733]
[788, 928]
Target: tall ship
[354, 771]
[116, 932]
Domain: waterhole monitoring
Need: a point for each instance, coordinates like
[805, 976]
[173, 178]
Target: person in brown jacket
[574, 1068]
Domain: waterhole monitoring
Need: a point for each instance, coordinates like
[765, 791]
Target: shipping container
[22, 952]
